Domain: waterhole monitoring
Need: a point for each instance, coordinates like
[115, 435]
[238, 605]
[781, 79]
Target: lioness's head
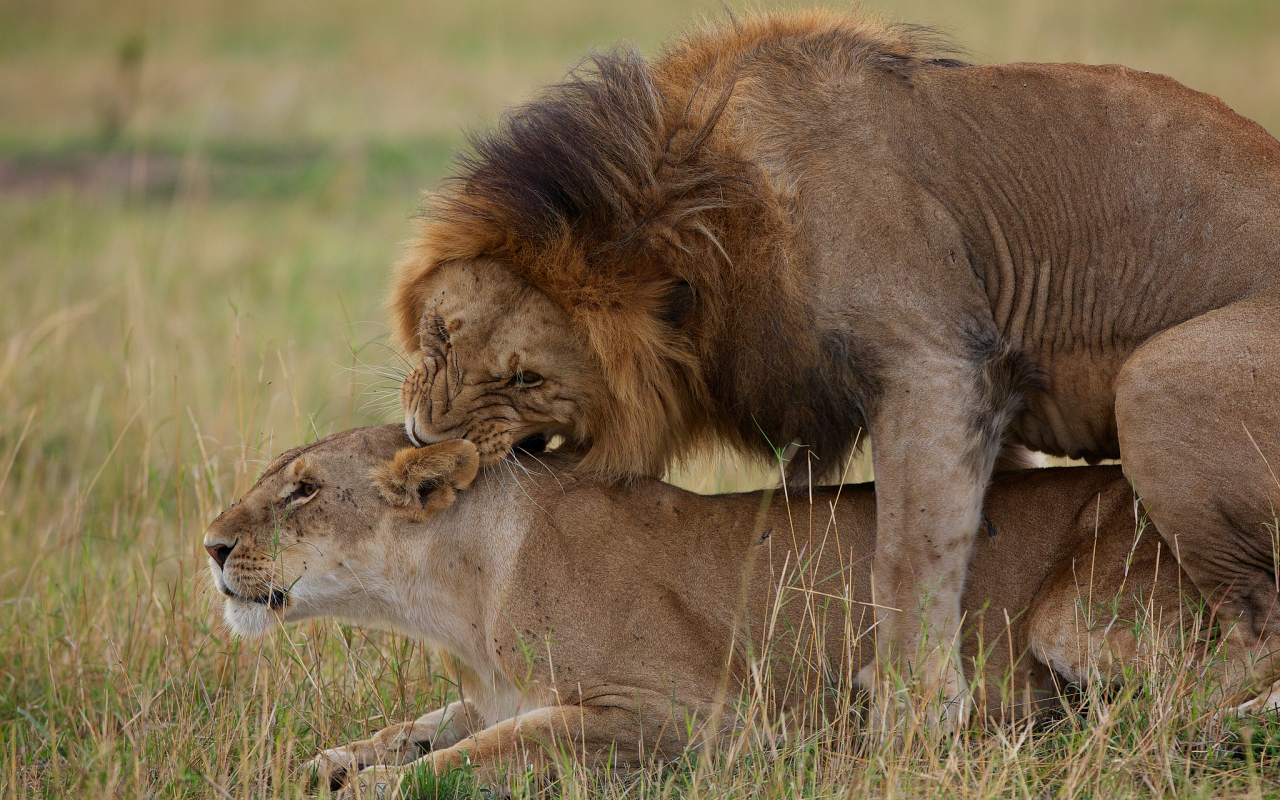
[311, 537]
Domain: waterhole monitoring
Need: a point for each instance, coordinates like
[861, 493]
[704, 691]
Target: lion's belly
[1074, 413]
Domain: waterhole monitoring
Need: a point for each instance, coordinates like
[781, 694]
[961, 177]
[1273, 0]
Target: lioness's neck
[443, 577]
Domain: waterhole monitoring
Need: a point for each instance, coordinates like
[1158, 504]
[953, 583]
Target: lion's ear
[426, 480]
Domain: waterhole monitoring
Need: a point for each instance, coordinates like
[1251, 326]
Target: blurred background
[200, 202]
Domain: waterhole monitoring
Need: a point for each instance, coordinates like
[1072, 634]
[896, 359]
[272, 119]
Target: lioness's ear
[426, 480]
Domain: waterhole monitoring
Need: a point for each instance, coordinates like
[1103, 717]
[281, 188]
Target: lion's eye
[525, 380]
[434, 332]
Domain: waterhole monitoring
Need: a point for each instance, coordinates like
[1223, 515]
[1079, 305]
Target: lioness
[797, 227]
[637, 643]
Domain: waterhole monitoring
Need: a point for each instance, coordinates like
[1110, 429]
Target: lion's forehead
[523, 320]
[484, 296]
[505, 345]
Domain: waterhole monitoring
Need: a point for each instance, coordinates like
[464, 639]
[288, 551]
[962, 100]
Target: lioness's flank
[629, 644]
[808, 226]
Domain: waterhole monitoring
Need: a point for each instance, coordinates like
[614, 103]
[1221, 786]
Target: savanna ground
[199, 203]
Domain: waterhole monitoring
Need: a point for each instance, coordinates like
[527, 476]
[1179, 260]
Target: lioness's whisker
[355, 575]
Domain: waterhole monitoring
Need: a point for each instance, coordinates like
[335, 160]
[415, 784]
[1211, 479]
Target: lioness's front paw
[381, 782]
[332, 768]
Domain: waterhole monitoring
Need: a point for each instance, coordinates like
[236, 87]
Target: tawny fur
[813, 228]
[427, 480]
[637, 644]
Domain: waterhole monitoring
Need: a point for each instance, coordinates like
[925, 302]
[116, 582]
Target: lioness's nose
[219, 552]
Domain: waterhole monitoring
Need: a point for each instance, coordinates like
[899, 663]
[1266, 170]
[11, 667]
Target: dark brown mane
[623, 196]
[601, 164]
[581, 158]
[587, 156]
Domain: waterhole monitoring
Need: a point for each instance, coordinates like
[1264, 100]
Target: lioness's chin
[250, 620]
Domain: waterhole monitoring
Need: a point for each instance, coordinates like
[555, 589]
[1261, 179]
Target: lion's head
[500, 364]
[311, 537]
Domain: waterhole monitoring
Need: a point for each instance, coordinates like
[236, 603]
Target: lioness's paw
[331, 768]
[383, 783]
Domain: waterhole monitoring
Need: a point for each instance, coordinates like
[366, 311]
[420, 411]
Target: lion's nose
[421, 437]
[219, 552]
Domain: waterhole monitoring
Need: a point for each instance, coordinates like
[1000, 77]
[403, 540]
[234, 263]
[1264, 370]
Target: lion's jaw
[499, 365]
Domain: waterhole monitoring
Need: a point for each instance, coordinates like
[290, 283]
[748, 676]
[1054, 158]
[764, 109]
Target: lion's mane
[626, 195]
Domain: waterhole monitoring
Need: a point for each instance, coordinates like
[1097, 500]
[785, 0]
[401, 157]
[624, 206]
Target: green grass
[199, 205]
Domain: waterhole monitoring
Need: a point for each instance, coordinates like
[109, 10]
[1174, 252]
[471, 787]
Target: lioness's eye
[526, 380]
[304, 491]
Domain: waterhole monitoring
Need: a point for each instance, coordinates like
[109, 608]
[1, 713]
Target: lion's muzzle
[428, 401]
[439, 406]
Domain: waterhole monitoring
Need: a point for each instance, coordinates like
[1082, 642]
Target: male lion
[637, 644]
[796, 226]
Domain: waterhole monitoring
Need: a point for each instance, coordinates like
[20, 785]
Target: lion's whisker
[550, 471]
[397, 353]
[384, 369]
[516, 478]
[379, 404]
[515, 462]
[376, 343]
[376, 369]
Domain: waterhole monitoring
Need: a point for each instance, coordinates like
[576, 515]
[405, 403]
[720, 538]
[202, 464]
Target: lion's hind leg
[1121, 602]
[1115, 603]
[1198, 415]
[1256, 701]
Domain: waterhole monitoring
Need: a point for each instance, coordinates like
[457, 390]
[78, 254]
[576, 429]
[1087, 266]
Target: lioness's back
[649, 564]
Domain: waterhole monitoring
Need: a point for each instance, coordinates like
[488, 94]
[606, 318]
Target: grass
[199, 202]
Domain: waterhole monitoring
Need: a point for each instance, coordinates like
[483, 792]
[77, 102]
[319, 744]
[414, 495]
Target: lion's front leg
[934, 442]
[396, 744]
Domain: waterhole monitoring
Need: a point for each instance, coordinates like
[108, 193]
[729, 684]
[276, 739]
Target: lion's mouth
[537, 443]
[408, 429]
[492, 452]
